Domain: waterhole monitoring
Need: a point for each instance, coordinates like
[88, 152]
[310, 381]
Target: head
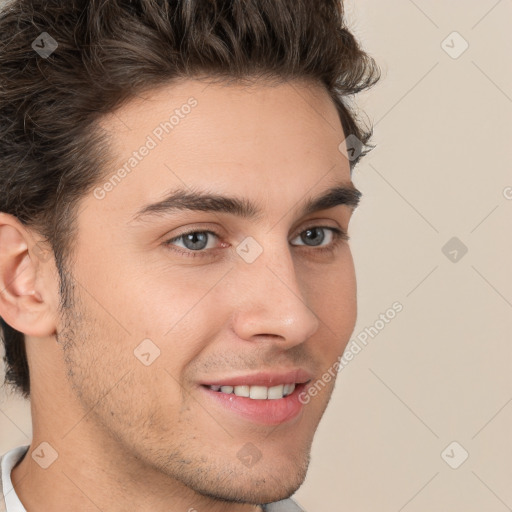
[106, 294]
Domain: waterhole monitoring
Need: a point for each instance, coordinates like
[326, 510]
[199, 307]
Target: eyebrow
[185, 200]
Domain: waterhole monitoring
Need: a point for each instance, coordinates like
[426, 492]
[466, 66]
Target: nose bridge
[271, 301]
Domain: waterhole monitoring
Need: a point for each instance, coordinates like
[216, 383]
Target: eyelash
[339, 236]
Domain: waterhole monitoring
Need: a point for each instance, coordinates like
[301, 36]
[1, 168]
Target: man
[175, 271]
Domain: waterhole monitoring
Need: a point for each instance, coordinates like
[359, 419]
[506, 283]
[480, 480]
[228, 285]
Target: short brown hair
[51, 151]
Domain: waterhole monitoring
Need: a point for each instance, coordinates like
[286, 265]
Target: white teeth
[288, 389]
[242, 391]
[276, 392]
[257, 392]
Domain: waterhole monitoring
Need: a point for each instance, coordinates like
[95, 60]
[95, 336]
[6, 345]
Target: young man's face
[261, 296]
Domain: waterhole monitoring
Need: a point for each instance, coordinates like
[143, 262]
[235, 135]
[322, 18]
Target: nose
[270, 304]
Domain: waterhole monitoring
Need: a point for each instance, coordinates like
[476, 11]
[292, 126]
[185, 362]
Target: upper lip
[263, 378]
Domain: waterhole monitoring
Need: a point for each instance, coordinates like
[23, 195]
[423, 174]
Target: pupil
[193, 237]
[308, 233]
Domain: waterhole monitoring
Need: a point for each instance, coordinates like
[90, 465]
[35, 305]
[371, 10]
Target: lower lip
[265, 412]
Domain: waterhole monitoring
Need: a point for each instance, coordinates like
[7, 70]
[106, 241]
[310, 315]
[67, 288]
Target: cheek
[332, 295]
[164, 301]
[180, 310]
[331, 290]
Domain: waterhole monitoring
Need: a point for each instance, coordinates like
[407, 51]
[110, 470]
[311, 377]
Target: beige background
[440, 371]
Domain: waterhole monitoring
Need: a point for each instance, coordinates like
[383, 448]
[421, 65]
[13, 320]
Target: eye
[194, 240]
[201, 243]
[316, 235]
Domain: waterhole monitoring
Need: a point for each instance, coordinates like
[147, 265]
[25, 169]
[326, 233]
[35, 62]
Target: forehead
[215, 94]
[281, 139]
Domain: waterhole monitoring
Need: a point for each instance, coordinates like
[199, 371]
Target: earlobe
[25, 304]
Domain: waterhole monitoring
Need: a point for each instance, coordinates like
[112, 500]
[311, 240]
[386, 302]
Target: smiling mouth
[264, 405]
[257, 392]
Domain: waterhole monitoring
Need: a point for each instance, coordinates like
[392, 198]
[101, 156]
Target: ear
[27, 284]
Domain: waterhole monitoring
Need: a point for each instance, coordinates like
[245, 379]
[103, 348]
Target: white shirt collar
[9, 460]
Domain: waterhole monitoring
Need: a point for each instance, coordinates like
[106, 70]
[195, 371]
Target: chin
[259, 492]
[258, 487]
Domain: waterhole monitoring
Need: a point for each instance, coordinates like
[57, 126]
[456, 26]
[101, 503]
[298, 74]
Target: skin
[137, 437]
